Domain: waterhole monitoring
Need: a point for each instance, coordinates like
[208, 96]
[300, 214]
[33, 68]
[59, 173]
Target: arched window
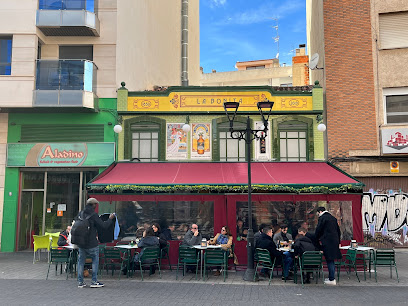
[293, 141]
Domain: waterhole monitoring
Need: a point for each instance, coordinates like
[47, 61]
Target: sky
[243, 30]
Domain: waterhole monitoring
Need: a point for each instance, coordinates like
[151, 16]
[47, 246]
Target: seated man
[193, 236]
[63, 239]
[265, 241]
[282, 236]
[301, 245]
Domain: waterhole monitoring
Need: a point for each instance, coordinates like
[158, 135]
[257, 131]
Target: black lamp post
[248, 134]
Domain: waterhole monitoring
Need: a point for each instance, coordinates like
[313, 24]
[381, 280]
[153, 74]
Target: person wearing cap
[92, 249]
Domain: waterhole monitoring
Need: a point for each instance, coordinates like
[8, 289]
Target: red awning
[263, 173]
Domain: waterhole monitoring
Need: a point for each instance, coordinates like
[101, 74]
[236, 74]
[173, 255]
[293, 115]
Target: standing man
[192, 237]
[328, 231]
[89, 219]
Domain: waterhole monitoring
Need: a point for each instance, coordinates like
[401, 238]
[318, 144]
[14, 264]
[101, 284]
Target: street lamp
[248, 134]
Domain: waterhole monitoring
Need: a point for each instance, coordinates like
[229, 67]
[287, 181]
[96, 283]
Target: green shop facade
[51, 156]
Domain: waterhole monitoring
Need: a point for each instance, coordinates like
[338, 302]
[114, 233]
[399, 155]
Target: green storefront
[50, 158]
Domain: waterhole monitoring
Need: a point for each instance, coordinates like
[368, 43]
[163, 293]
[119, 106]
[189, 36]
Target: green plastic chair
[385, 258]
[59, 256]
[164, 254]
[187, 256]
[348, 261]
[264, 260]
[41, 243]
[150, 256]
[311, 262]
[215, 257]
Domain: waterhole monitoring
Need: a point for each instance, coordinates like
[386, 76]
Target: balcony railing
[68, 17]
[65, 83]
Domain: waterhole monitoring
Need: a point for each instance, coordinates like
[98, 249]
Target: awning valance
[224, 177]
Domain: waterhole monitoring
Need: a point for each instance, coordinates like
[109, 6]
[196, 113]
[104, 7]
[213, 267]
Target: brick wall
[351, 116]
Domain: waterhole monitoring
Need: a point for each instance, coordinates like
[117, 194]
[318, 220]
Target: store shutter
[394, 30]
[383, 183]
[62, 133]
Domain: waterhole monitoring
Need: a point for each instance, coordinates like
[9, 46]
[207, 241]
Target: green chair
[231, 255]
[348, 261]
[112, 258]
[263, 260]
[215, 257]
[59, 256]
[164, 254]
[150, 256]
[187, 256]
[41, 243]
[311, 262]
[385, 258]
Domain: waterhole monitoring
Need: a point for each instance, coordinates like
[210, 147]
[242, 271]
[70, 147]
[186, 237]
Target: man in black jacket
[92, 249]
[301, 245]
[63, 237]
[328, 231]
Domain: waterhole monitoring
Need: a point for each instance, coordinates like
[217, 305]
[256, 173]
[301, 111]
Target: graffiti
[385, 217]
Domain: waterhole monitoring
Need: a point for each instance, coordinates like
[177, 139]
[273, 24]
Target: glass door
[31, 216]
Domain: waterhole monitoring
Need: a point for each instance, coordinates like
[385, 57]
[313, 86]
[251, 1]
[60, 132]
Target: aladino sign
[60, 154]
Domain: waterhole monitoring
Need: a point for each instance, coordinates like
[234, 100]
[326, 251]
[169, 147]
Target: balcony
[65, 83]
[68, 17]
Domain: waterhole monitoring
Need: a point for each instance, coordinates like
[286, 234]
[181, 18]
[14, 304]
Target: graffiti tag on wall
[385, 218]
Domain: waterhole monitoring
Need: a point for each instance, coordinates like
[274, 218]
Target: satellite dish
[314, 60]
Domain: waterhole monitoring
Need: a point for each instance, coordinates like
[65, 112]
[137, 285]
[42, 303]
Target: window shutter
[394, 30]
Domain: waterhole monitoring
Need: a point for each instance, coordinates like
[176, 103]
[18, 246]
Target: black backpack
[80, 231]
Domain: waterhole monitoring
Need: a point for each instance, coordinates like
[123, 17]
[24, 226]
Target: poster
[176, 141]
[262, 146]
[200, 141]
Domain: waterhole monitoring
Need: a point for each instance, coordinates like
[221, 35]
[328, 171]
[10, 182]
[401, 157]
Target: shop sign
[60, 154]
[395, 141]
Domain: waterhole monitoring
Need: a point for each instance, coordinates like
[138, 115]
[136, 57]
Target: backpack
[80, 231]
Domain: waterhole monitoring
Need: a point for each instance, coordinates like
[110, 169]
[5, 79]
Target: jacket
[62, 238]
[266, 242]
[190, 239]
[162, 239]
[257, 235]
[223, 246]
[303, 244]
[95, 224]
[328, 231]
[278, 237]
[146, 242]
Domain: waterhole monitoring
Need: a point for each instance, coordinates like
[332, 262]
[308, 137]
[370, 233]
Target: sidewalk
[20, 266]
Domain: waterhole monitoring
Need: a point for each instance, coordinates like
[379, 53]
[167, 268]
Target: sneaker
[96, 285]
[81, 285]
[331, 283]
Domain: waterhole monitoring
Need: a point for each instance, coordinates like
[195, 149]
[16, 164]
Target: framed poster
[200, 141]
[262, 146]
[176, 141]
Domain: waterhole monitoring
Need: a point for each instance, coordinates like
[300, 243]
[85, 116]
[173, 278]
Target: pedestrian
[328, 232]
[84, 235]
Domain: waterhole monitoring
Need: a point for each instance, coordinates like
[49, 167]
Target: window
[76, 52]
[293, 141]
[145, 141]
[255, 67]
[6, 44]
[231, 149]
[396, 105]
[394, 30]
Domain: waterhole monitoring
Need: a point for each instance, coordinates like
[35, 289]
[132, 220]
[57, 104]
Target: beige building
[46, 47]
[262, 72]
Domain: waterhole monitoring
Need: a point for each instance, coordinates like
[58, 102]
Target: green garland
[226, 189]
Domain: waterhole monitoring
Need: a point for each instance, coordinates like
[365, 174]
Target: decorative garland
[226, 189]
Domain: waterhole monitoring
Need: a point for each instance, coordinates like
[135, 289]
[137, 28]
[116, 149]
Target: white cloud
[215, 3]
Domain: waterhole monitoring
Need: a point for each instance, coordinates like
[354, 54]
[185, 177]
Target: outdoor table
[199, 247]
[363, 250]
[128, 249]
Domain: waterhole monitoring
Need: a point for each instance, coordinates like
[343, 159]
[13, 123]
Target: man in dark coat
[303, 244]
[328, 232]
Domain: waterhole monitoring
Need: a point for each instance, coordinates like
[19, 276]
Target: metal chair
[215, 257]
[187, 256]
[164, 254]
[112, 258]
[264, 260]
[149, 256]
[349, 260]
[311, 262]
[59, 256]
[385, 258]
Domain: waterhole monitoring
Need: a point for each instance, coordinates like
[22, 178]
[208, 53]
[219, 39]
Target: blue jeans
[94, 254]
[288, 262]
[331, 268]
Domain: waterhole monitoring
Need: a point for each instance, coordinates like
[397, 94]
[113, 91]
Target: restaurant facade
[176, 177]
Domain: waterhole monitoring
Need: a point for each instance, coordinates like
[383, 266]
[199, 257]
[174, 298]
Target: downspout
[184, 42]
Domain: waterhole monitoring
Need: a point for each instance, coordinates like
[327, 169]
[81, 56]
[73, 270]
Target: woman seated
[224, 239]
[160, 235]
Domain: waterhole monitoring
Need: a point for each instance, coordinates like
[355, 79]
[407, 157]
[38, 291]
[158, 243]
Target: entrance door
[31, 216]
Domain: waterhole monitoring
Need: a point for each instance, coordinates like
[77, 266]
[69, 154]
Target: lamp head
[186, 127]
[265, 106]
[117, 128]
[321, 127]
[231, 109]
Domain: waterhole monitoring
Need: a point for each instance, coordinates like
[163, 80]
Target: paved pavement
[22, 282]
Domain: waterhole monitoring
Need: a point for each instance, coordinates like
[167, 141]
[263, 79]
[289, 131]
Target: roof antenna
[276, 38]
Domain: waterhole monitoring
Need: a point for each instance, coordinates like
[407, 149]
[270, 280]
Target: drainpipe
[184, 42]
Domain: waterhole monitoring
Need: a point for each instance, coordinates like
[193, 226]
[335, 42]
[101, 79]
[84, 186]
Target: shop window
[145, 141]
[231, 149]
[396, 105]
[293, 141]
[295, 215]
[174, 217]
[33, 180]
[6, 44]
